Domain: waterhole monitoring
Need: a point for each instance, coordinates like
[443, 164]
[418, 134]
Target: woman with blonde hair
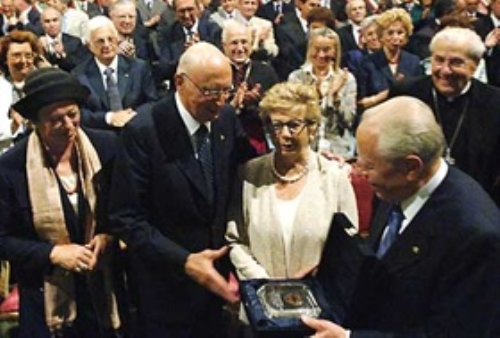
[336, 88]
[284, 201]
[391, 63]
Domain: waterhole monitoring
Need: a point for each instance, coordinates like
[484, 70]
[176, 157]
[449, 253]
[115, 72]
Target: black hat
[46, 86]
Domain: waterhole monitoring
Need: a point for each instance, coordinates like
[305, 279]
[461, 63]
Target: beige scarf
[50, 224]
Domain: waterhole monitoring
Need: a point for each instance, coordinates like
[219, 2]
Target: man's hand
[200, 267]
[195, 38]
[492, 38]
[324, 328]
[73, 257]
[252, 95]
[121, 118]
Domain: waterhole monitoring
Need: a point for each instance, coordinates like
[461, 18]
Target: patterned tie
[394, 222]
[204, 150]
[115, 103]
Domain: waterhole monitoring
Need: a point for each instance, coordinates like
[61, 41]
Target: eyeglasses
[211, 93]
[19, 55]
[294, 127]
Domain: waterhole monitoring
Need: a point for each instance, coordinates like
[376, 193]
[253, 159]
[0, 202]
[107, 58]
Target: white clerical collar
[412, 205]
[189, 121]
[463, 92]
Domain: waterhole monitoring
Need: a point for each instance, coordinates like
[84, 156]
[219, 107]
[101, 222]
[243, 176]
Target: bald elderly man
[169, 195]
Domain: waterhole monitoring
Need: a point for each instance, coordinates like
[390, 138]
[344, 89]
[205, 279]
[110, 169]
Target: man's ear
[178, 80]
[413, 166]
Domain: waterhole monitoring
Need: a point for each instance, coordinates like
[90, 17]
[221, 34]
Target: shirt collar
[189, 121]
[303, 22]
[412, 205]
[193, 29]
[113, 65]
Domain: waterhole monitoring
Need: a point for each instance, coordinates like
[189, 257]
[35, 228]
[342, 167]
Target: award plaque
[290, 299]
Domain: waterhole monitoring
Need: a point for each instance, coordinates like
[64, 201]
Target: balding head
[203, 81]
[400, 145]
[404, 126]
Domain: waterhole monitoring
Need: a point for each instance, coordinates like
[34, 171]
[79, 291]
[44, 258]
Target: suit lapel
[96, 81]
[172, 131]
[123, 77]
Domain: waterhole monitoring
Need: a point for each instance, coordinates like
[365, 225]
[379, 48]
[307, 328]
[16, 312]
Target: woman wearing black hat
[47, 214]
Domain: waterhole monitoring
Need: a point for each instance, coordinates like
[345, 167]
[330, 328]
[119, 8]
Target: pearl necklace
[292, 179]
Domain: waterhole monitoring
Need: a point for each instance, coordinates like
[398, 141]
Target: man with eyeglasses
[120, 86]
[466, 109]
[169, 196]
[189, 28]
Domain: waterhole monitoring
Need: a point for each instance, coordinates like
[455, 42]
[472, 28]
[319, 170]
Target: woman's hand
[72, 257]
[338, 82]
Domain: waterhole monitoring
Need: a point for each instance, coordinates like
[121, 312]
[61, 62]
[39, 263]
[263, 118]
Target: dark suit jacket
[34, 24]
[76, 53]
[347, 40]
[375, 74]
[484, 25]
[478, 145]
[135, 84]
[440, 277]
[159, 207]
[267, 12]
[19, 242]
[171, 41]
[292, 44]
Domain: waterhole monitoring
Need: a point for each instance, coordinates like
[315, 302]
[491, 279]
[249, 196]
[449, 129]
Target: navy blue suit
[292, 44]
[34, 24]
[135, 84]
[478, 144]
[267, 11]
[171, 42]
[375, 74]
[160, 208]
[440, 278]
[75, 51]
[19, 241]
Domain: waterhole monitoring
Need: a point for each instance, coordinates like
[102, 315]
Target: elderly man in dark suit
[251, 79]
[120, 86]
[60, 49]
[189, 28]
[465, 108]
[436, 236]
[169, 196]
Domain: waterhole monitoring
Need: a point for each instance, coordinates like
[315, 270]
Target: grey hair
[471, 42]
[97, 22]
[119, 3]
[230, 25]
[368, 21]
[406, 126]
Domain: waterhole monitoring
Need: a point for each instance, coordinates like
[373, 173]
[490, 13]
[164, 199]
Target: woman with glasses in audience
[336, 88]
[379, 70]
[19, 55]
[284, 201]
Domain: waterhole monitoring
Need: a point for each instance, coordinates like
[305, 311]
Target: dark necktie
[394, 222]
[115, 103]
[204, 150]
[277, 8]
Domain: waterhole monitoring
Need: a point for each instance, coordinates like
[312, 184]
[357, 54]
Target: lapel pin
[126, 74]
[222, 137]
[415, 249]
